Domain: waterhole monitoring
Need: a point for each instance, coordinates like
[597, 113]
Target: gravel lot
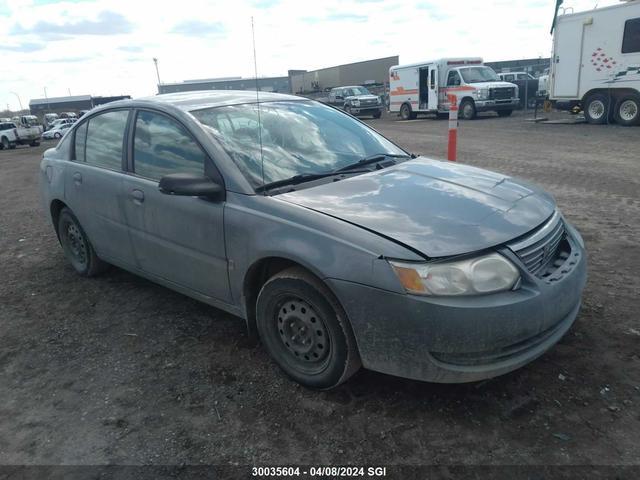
[118, 370]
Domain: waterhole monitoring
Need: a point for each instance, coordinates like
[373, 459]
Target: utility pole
[19, 101]
[155, 61]
[47, 99]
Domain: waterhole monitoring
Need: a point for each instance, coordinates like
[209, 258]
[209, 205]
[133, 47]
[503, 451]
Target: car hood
[493, 84]
[433, 207]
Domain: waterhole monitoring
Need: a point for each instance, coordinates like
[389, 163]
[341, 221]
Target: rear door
[93, 184]
[179, 239]
[433, 87]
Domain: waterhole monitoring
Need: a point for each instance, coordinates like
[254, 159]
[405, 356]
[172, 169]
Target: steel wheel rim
[76, 244]
[628, 110]
[302, 332]
[596, 109]
[467, 111]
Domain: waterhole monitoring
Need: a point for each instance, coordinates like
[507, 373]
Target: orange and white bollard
[453, 128]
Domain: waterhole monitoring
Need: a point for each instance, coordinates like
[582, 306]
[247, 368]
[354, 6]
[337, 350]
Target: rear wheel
[627, 110]
[305, 330]
[596, 108]
[468, 109]
[35, 143]
[504, 113]
[76, 246]
[4, 144]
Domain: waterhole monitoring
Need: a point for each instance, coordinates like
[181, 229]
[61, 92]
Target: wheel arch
[55, 208]
[613, 93]
[258, 273]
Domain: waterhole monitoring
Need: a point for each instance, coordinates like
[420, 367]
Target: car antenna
[255, 71]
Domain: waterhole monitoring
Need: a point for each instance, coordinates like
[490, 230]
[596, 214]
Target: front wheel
[377, 115]
[504, 113]
[627, 111]
[76, 246]
[406, 113]
[57, 135]
[35, 143]
[468, 109]
[305, 330]
[596, 109]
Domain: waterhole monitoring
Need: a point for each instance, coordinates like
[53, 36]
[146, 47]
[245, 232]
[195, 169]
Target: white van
[596, 62]
[423, 88]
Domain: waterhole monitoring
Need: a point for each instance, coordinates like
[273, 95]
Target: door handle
[137, 196]
[77, 178]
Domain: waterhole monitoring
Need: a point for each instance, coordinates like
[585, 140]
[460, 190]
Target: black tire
[347, 108]
[504, 113]
[76, 246]
[305, 330]
[377, 115]
[4, 143]
[406, 113]
[467, 110]
[597, 109]
[12, 145]
[57, 135]
[35, 143]
[627, 111]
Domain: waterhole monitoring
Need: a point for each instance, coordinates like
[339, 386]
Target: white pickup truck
[20, 131]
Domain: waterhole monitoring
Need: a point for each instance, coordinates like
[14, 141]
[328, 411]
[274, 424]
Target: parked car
[57, 132]
[337, 247]
[356, 101]
[48, 120]
[13, 134]
[62, 121]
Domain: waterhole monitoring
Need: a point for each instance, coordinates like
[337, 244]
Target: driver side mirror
[339, 97]
[190, 185]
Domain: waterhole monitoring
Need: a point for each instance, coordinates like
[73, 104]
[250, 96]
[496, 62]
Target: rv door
[567, 57]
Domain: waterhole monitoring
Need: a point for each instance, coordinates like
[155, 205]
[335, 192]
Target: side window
[631, 37]
[432, 82]
[161, 146]
[80, 142]
[453, 79]
[105, 139]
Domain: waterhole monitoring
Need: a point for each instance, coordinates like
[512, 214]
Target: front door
[179, 239]
[433, 88]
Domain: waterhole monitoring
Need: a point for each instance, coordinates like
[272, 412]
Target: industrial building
[534, 66]
[265, 84]
[368, 72]
[75, 103]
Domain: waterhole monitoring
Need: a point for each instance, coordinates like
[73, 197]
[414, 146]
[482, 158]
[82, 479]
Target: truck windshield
[353, 91]
[478, 74]
[292, 138]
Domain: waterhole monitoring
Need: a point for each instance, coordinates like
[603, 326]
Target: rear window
[631, 37]
[105, 139]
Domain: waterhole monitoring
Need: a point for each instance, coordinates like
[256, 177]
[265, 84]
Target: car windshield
[298, 137]
[478, 74]
[353, 91]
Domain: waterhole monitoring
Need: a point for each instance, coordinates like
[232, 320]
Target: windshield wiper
[378, 157]
[301, 178]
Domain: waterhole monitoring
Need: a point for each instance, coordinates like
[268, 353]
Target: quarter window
[80, 141]
[105, 139]
[162, 146]
[631, 38]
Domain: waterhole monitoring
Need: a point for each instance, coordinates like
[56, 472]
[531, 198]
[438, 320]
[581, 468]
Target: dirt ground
[118, 370]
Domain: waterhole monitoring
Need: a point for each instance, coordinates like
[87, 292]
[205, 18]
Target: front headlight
[355, 103]
[482, 93]
[379, 101]
[476, 276]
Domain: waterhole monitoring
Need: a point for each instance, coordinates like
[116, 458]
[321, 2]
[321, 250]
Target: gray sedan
[338, 248]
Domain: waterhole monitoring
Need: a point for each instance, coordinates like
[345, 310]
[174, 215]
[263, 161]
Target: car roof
[197, 100]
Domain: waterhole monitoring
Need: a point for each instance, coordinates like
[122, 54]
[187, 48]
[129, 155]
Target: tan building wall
[358, 73]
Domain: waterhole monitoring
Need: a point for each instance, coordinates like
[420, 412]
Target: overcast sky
[105, 47]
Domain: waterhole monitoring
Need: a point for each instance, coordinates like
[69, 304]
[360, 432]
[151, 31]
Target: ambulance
[424, 88]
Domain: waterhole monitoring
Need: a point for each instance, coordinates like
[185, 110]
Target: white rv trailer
[596, 62]
[423, 88]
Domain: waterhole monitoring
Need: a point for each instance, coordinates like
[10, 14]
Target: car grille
[368, 102]
[542, 248]
[501, 93]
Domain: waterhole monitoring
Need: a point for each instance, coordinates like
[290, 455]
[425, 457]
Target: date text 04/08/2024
[321, 471]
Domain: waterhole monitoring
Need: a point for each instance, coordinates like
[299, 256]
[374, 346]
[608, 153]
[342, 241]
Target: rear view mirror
[190, 185]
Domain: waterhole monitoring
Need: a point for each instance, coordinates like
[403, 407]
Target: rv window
[631, 38]
[453, 79]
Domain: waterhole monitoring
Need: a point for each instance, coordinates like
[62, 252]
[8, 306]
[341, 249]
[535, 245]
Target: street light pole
[19, 101]
[155, 61]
